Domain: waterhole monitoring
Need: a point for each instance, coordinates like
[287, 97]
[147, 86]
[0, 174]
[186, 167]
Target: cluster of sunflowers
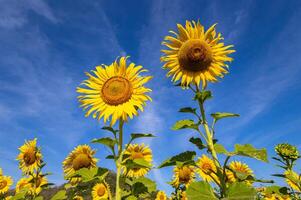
[193, 57]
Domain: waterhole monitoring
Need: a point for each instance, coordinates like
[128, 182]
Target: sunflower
[23, 184]
[206, 169]
[293, 180]
[37, 183]
[238, 167]
[287, 151]
[80, 157]
[136, 151]
[276, 197]
[161, 196]
[115, 91]
[184, 196]
[183, 175]
[101, 191]
[5, 183]
[195, 55]
[30, 157]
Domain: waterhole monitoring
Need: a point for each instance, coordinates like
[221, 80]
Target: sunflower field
[193, 57]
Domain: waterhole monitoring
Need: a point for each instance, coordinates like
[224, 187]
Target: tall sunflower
[206, 169]
[183, 175]
[30, 157]
[161, 196]
[114, 92]
[101, 191]
[136, 151]
[195, 55]
[5, 183]
[81, 157]
[236, 166]
[293, 180]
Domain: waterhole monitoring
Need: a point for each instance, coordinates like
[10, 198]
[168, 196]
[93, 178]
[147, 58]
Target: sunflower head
[30, 157]
[23, 184]
[293, 180]
[236, 168]
[133, 152]
[81, 157]
[161, 196]
[101, 191]
[5, 183]
[206, 169]
[115, 91]
[287, 151]
[183, 175]
[195, 55]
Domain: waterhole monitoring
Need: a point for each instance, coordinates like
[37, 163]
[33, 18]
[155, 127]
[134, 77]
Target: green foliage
[185, 157]
[197, 142]
[185, 123]
[202, 96]
[188, 110]
[60, 195]
[220, 115]
[140, 135]
[107, 141]
[250, 151]
[91, 174]
[200, 191]
[240, 191]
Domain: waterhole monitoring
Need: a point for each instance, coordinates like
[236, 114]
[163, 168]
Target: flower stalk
[119, 160]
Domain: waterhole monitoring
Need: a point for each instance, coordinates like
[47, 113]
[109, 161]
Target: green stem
[119, 160]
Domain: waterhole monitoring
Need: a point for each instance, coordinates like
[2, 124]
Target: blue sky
[46, 46]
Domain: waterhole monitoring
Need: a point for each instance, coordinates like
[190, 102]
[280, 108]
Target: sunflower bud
[287, 151]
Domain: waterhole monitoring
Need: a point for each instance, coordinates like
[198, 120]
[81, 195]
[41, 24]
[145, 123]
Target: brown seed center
[206, 167]
[116, 90]
[3, 184]
[195, 55]
[101, 191]
[184, 175]
[29, 157]
[81, 161]
[137, 155]
[162, 197]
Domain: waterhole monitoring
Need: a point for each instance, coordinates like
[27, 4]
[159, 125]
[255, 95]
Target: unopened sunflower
[238, 167]
[30, 157]
[161, 196]
[136, 151]
[101, 191]
[5, 183]
[206, 169]
[81, 157]
[195, 55]
[293, 180]
[114, 92]
[23, 184]
[183, 175]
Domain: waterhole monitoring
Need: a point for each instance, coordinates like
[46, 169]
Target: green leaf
[90, 174]
[185, 123]
[203, 96]
[197, 142]
[200, 191]
[20, 195]
[240, 191]
[250, 151]
[110, 157]
[220, 149]
[39, 198]
[106, 141]
[108, 128]
[186, 156]
[188, 110]
[60, 195]
[148, 183]
[136, 163]
[276, 189]
[142, 162]
[140, 135]
[131, 198]
[220, 115]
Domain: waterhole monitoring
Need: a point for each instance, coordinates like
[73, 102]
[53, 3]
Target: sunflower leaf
[240, 191]
[146, 185]
[186, 156]
[197, 142]
[107, 141]
[60, 195]
[188, 110]
[220, 115]
[203, 96]
[140, 135]
[142, 162]
[200, 191]
[185, 123]
[220, 149]
[250, 151]
[110, 129]
[136, 163]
